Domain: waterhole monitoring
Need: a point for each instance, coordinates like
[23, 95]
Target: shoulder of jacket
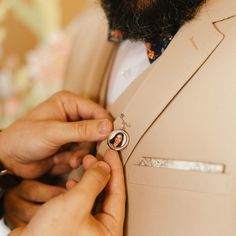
[91, 21]
[219, 10]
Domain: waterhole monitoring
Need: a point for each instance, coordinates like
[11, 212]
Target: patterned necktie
[154, 48]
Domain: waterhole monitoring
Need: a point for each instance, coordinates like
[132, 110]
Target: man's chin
[150, 19]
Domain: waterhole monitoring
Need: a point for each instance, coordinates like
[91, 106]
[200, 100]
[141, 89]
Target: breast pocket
[179, 179]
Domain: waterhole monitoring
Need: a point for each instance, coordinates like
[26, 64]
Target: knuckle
[83, 129]
[61, 96]
[61, 93]
[98, 177]
[49, 128]
[32, 194]
[29, 190]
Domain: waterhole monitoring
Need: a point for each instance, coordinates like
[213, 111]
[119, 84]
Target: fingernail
[104, 127]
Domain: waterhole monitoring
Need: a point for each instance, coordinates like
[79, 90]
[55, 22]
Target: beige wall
[28, 26]
[20, 39]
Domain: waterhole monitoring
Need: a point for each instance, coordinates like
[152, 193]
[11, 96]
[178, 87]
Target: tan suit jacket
[183, 107]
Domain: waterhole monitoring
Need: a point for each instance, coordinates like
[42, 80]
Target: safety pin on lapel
[124, 123]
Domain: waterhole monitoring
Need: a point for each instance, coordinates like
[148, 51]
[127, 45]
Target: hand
[23, 201]
[70, 213]
[27, 147]
[70, 157]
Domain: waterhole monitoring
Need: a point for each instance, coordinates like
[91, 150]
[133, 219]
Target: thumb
[81, 131]
[91, 185]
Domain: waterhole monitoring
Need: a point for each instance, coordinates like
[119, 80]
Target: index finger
[77, 107]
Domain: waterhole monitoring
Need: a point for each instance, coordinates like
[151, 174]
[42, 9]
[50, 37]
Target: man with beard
[167, 75]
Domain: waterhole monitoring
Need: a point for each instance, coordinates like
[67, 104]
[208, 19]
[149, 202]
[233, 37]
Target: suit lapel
[144, 101]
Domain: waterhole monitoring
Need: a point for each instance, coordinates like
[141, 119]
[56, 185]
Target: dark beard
[159, 18]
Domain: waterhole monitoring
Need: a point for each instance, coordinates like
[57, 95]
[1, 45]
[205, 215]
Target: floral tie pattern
[154, 48]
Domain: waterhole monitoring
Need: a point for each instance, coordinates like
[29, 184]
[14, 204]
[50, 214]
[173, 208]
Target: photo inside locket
[118, 140]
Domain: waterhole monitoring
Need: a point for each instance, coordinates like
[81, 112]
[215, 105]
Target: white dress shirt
[131, 60]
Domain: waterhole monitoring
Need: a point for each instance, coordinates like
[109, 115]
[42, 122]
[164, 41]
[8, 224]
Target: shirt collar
[154, 48]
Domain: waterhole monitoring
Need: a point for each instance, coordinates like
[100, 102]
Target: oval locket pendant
[118, 140]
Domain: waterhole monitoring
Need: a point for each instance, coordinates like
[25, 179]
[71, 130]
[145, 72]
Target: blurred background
[34, 48]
